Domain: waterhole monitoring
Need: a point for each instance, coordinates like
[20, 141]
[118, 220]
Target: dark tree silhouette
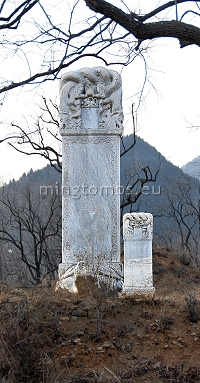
[31, 225]
[141, 26]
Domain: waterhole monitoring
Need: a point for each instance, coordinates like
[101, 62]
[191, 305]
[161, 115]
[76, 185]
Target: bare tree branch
[94, 37]
[23, 8]
[126, 150]
[148, 31]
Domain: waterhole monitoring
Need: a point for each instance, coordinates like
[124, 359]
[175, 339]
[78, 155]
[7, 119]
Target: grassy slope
[49, 336]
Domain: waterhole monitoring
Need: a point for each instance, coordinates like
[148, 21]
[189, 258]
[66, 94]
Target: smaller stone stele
[138, 234]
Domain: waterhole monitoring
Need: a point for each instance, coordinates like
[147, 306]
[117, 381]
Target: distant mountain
[46, 178]
[192, 168]
[145, 154]
[132, 163]
[141, 155]
[152, 201]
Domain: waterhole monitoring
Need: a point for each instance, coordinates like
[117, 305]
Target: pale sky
[163, 117]
[164, 120]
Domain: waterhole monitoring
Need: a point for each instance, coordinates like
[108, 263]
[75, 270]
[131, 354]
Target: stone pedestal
[91, 126]
[138, 233]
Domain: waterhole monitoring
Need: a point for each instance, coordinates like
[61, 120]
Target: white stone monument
[138, 234]
[91, 125]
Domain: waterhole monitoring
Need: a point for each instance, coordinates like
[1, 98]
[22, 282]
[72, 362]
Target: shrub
[192, 307]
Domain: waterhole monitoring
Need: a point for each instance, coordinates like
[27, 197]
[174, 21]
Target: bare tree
[136, 178]
[103, 30]
[181, 208]
[31, 225]
[32, 139]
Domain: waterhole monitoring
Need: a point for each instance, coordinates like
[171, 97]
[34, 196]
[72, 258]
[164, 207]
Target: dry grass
[50, 337]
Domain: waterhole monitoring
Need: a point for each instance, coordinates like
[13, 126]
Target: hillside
[132, 163]
[155, 200]
[193, 168]
[142, 154]
[49, 336]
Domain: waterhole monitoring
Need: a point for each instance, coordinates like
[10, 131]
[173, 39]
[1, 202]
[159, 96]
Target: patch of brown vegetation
[49, 336]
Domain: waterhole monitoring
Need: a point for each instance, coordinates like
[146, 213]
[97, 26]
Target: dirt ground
[49, 336]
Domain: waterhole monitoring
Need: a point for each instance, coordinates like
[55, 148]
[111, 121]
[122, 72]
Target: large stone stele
[137, 234]
[91, 125]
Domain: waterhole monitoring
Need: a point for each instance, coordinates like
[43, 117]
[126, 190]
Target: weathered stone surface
[138, 233]
[91, 126]
[90, 197]
[91, 102]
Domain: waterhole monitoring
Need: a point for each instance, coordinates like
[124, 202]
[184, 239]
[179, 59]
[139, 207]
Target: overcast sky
[163, 117]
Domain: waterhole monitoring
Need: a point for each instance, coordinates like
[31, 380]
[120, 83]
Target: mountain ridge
[192, 168]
